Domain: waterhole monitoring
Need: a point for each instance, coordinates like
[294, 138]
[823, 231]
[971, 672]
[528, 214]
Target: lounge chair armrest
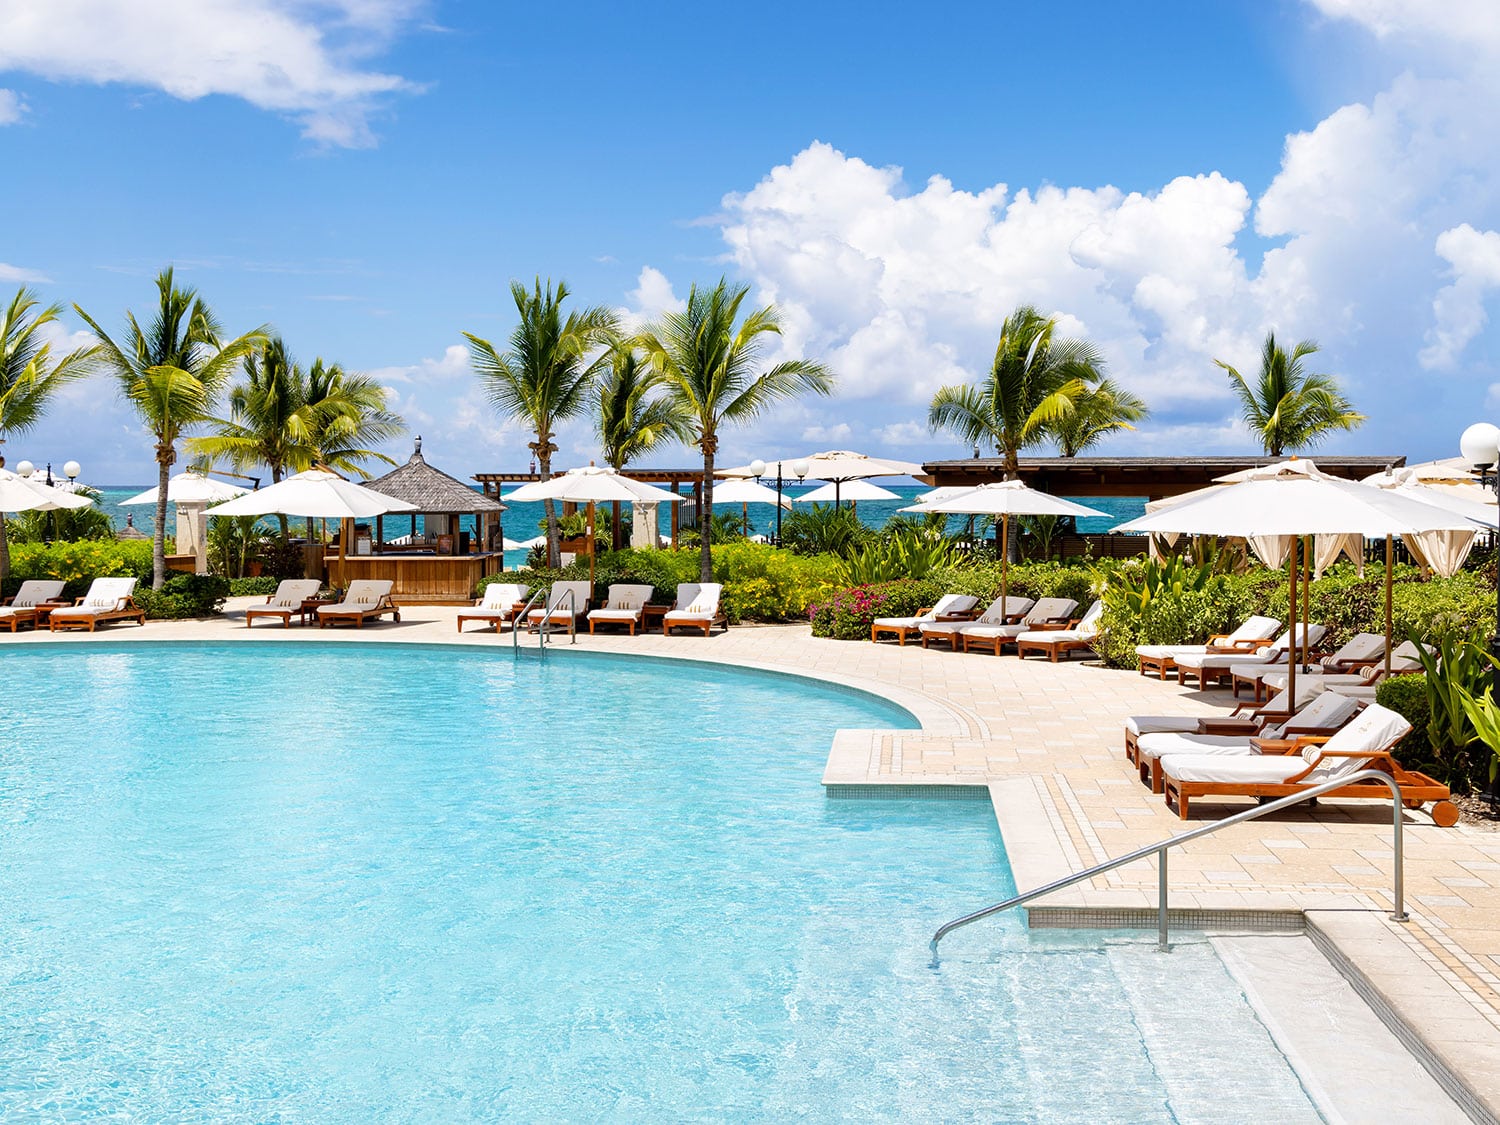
[954, 617]
[1219, 725]
[1311, 739]
[1055, 625]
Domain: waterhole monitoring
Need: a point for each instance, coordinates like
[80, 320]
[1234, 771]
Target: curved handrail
[525, 612]
[1398, 914]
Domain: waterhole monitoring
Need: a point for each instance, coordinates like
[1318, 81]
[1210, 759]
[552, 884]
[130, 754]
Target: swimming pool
[342, 882]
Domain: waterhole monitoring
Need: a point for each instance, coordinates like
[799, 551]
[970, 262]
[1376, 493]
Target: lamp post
[757, 470]
[1480, 446]
[800, 468]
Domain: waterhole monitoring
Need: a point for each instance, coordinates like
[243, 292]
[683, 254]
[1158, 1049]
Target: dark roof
[433, 492]
[1150, 477]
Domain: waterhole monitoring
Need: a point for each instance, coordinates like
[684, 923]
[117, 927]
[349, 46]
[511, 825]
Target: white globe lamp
[1480, 445]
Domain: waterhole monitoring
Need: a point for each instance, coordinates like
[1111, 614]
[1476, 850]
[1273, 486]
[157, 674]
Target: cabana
[440, 563]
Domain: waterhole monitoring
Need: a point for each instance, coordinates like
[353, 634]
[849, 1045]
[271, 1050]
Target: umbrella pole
[1388, 553]
[1308, 547]
[745, 518]
[1005, 562]
[1291, 675]
[591, 548]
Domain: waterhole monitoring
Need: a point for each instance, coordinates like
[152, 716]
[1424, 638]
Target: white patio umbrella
[744, 492]
[853, 491]
[593, 484]
[1006, 499]
[834, 465]
[946, 492]
[1294, 498]
[23, 494]
[191, 488]
[316, 494]
[1441, 551]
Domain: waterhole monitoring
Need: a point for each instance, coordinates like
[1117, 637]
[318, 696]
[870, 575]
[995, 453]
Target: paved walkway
[1046, 742]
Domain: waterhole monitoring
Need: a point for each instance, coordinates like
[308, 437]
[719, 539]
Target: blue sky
[1172, 179]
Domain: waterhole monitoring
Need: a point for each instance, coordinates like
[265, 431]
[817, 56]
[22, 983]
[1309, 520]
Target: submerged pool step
[1056, 917]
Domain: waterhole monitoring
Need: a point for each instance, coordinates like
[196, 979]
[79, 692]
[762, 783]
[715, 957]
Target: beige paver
[1047, 739]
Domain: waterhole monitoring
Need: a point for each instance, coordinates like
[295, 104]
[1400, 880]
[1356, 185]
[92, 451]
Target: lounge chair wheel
[1445, 814]
[1413, 805]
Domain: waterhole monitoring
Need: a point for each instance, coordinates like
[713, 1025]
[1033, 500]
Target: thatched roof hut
[432, 491]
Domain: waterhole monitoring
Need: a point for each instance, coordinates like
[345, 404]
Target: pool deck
[1044, 742]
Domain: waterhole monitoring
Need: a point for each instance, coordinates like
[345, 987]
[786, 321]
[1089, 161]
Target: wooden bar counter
[419, 578]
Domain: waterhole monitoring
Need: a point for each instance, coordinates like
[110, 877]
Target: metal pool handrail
[1398, 914]
[568, 599]
[515, 629]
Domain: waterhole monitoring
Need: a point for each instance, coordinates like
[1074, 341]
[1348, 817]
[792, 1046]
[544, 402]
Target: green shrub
[253, 587]
[761, 582]
[1407, 696]
[78, 564]
[824, 530]
[910, 554]
[1189, 617]
[280, 558]
[184, 595]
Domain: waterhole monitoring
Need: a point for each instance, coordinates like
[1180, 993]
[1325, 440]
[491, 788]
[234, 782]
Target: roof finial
[417, 452]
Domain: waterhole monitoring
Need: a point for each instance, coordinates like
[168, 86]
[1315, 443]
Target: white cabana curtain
[1441, 551]
[1273, 550]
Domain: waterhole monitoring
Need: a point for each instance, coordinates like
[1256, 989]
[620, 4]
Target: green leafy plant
[1457, 671]
[185, 595]
[259, 586]
[69, 524]
[1484, 717]
[887, 558]
[1133, 587]
[824, 530]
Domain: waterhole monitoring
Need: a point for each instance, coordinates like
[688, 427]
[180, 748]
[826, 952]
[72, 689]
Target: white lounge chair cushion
[33, 592]
[608, 614]
[1255, 669]
[105, 595]
[1326, 712]
[1161, 724]
[1233, 769]
[1375, 728]
[1277, 680]
[1251, 629]
[502, 595]
[623, 603]
[292, 592]
[1360, 648]
[1161, 745]
[947, 604]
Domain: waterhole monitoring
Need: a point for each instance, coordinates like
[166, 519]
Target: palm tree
[710, 362]
[1289, 408]
[547, 373]
[172, 372]
[29, 375]
[288, 419]
[631, 422]
[1034, 383]
[1099, 410]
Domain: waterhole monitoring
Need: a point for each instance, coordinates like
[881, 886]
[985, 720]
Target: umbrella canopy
[1007, 498]
[22, 494]
[744, 491]
[525, 544]
[846, 490]
[834, 465]
[938, 495]
[191, 488]
[593, 484]
[317, 494]
[1295, 498]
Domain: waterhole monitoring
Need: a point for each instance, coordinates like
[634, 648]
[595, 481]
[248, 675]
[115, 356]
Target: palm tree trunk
[705, 525]
[164, 458]
[544, 463]
[280, 516]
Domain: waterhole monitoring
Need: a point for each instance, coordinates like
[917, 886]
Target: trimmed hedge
[78, 563]
[261, 585]
[184, 595]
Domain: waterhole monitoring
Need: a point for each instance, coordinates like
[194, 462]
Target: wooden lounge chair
[995, 636]
[286, 602]
[1364, 743]
[950, 607]
[625, 605]
[108, 599]
[1253, 633]
[947, 628]
[366, 599]
[22, 609]
[1404, 661]
[1079, 636]
[499, 604]
[1214, 667]
[697, 608]
[1325, 714]
[1246, 718]
[1361, 651]
[566, 603]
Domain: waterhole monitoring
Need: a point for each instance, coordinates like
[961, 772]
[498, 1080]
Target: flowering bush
[848, 614]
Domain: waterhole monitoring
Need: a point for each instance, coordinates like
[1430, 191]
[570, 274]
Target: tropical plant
[172, 372]
[1289, 408]
[289, 419]
[824, 530]
[1484, 716]
[1042, 530]
[232, 542]
[633, 419]
[66, 525]
[1133, 587]
[723, 527]
[1034, 383]
[1100, 410]
[30, 375]
[887, 558]
[546, 374]
[1457, 672]
[710, 361]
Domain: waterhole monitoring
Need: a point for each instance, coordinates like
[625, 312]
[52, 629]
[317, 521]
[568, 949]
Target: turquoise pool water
[340, 883]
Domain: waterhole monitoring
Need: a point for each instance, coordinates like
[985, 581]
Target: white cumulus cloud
[1458, 308]
[12, 107]
[307, 61]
